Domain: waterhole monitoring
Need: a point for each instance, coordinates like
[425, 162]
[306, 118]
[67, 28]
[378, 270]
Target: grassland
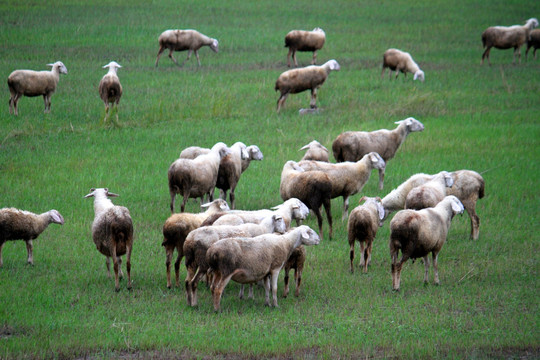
[476, 117]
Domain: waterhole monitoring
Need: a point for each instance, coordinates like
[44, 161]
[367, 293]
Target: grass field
[483, 118]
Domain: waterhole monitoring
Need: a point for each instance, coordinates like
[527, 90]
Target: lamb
[313, 188]
[315, 151]
[296, 261]
[397, 61]
[506, 37]
[34, 83]
[468, 188]
[176, 229]
[249, 260]
[533, 41]
[353, 145]
[308, 78]
[112, 232]
[180, 40]
[301, 40]
[230, 169]
[362, 226]
[416, 233]
[348, 178]
[110, 89]
[199, 240]
[430, 193]
[197, 177]
[18, 224]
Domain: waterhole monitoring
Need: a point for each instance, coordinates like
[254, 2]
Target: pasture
[483, 118]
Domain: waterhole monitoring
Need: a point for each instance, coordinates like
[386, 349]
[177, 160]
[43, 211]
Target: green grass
[483, 118]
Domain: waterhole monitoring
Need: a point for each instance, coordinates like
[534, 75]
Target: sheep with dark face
[533, 42]
[181, 40]
[401, 61]
[301, 40]
[110, 89]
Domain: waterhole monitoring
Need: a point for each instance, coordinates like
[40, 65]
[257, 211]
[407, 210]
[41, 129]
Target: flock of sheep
[249, 247]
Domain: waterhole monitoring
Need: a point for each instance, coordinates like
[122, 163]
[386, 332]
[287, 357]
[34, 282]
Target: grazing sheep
[348, 178]
[296, 261]
[180, 40]
[313, 188]
[196, 178]
[298, 80]
[176, 229]
[199, 240]
[18, 224]
[230, 169]
[430, 193]
[506, 37]
[534, 42]
[315, 151]
[110, 89]
[416, 233]
[468, 188]
[353, 145]
[301, 40]
[397, 61]
[112, 232]
[34, 83]
[362, 226]
[249, 260]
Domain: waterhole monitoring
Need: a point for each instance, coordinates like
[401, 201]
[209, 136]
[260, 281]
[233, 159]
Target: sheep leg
[382, 73]
[317, 212]
[426, 269]
[185, 199]
[13, 101]
[289, 57]
[286, 283]
[313, 101]
[1, 247]
[516, 50]
[192, 285]
[168, 253]
[47, 101]
[396, 269]
[470, 206]
[275, 275]
[180, 250]
[29, 248]
[436, 267]
[294, 58]
[281, 100]
[128, 267]
[188, 56]
[351, 254]
[218, 289]
[328, 209]
[197, 55]
[381, 178]
[108, 263]
[345, 208]
[232, 198]
[161, 49]
[120, 273]
[298, 279]
[241, 292]
[190, 275]
[367, 256]
[363, 259]
[486, 55]
[172, 57]
[173, 195]
[314, 59]
[115, 266]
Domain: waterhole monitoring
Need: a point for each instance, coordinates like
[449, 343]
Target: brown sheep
[296, 261]
[301, 40]
[181, 40]
[534, 42]
[110, 89]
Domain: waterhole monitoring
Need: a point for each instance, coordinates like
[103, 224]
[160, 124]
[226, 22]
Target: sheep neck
[102, 203]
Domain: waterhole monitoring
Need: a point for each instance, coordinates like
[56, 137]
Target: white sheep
[309, 78]
[23, 225]
[416, 233]
[506, 37]
[301, 40]
[249, 260]
[397, 60]
[110, 89]
[196, 178]
[430, 193]
[315, 151]
[353, 145]
[181, 40]
[112, 232]
[348, 178]
[534, 42]
[34, 83]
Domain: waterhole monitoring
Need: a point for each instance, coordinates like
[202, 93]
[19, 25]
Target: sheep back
[302, 40]
[110, 89]
[19, 225]
[298, 80]
[113, 226]
[33, 83]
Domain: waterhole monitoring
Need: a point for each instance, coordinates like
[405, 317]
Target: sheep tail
[482, 189]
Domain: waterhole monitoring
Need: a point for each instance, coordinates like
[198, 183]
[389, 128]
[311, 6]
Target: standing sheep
[353, 145]
[18, 224]
[468, 188]
[397, 61]
[534, 42]
[301, 40]
[296, 261]
[110, 89]
[181, 40]
[430, 193]
[416, 233]
[308, 78]
[112, 232]
[34, 83]
[230, 169]
[506, 37]
[315, 151]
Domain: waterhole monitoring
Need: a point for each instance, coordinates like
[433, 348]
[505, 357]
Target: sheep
[112, 232]
[468, 188]
[296, 261]
[301, 40]
[18, 224]
[362, 226]
[230, 169]
[313, 188]
[176, 229]
[199, 240]
[430, 193]
[416, 233]
[533, 41]
[298, 80]
[315, 151]
[506, 37]
[34, 83]
[180, 40]
[348, 178]
[397, 61]
[110, 89]
[353, 145]
[248, 260]
[197, 177]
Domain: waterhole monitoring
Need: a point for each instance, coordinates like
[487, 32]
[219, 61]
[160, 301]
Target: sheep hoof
[117, 289]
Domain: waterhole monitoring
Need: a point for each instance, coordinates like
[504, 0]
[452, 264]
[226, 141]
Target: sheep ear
[110, 194]
[449, 180]
[51, 65]
[305, 147]
[457, 206]
[380, 210]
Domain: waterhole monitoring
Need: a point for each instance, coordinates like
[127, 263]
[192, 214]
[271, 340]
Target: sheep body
[181, 40]
[416, 233]
[395, 200]
[110, 89]
[23, 225]
[315, 151]
[34, 83]
[534, 42]
[301, 40]
[397, 60]
[230, 169]
[430, 193]
[309, 78]
[506, 37]
[296, 261]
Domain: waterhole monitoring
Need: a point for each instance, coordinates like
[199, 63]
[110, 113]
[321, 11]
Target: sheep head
[412, 124]
[332, 65]
[419, 75]
[113, 66]
[214, 45]
[56, 217]
[308, 236]
[100, 191]
[60, 66]
[376, 160]
[218, 203]
[254, 152]
[314, 143]
[279, 224]
[532, 23]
